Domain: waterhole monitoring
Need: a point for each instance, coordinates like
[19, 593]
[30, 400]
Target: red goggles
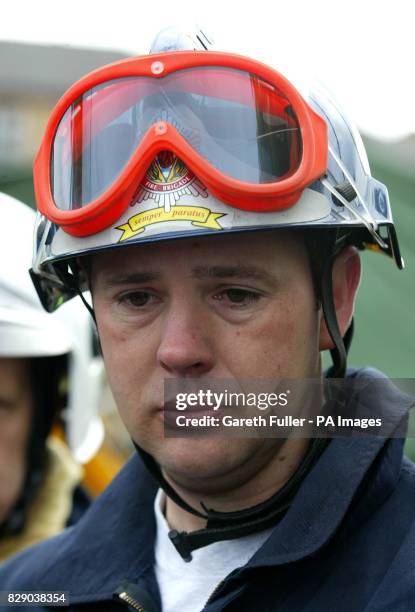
[238, 125]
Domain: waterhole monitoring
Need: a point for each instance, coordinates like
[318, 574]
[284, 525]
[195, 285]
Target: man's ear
[346, 279]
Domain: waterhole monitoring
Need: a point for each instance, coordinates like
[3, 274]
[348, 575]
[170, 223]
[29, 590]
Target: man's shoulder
[406, 483]
[397, 588]
[54, 563]
[27, 569]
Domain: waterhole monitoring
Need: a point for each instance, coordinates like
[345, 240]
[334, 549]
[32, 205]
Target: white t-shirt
[186, 586]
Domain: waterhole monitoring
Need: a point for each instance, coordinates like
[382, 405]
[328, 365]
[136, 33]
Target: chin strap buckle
[180, 543]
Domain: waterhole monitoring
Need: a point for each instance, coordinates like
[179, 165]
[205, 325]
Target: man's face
[15, 421]
[230, 307]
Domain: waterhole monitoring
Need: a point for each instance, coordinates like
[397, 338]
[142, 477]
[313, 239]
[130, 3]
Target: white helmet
[26, 330]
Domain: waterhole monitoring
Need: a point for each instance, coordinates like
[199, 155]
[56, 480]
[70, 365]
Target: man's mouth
[169, 413]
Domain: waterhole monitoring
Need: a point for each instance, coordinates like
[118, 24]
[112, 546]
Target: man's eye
[136, 299]
[238, 296]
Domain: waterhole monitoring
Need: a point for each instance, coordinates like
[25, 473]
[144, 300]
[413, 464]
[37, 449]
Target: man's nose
[186, 348]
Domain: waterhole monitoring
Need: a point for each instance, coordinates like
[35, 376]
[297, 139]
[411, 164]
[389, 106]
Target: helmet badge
[167, 180]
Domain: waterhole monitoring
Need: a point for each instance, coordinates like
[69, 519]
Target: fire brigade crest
[167, 180]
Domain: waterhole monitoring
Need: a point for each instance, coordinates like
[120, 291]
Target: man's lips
[169, 406]
[191, 411]
[169, 413]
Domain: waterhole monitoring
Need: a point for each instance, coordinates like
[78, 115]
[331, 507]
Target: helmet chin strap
[155, 470]
[341, 345]
[230, 525]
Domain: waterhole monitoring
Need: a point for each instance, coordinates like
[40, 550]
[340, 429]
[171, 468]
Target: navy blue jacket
[347, 543]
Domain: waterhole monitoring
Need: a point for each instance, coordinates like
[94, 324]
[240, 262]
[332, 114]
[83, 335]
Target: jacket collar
[326, 495]
[343, 472]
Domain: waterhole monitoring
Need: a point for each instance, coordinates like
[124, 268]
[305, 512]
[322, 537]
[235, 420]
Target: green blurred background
[385, 309]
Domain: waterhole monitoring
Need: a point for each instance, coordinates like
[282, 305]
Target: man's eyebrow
[199, 272]
[238, 271]
[132, 278]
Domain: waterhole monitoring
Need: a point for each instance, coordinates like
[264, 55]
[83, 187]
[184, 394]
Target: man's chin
[208, 465]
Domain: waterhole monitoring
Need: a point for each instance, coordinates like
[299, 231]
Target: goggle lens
[236, 121]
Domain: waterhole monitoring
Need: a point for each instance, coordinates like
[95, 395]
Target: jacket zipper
[124, 596]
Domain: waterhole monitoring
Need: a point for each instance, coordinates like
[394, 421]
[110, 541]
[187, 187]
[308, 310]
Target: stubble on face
[178, 310]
